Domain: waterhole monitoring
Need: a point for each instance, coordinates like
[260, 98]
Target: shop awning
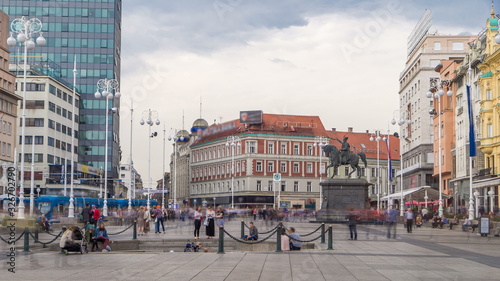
[417, 193]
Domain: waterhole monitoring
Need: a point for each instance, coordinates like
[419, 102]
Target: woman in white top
[197, 222]
[209, 223]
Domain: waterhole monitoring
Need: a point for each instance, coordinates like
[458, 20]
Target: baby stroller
[80, 245]
[192, 247]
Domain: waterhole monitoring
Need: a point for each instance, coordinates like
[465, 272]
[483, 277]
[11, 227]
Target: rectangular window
[283, 167]
[296, 186]
[488, 95]
[458, 46]
[270, 166]
[35, 104]
[296, 168]
[270, 185]
[259, 186]
[309, 149]
[489, 128]
[296, 149]
[309, 186]
[437, 46]
[27, 140]
[309, 168]
[251, 147]
[50, 141]
[283, 185]
[38, 139]
[270, 148]
[34, 122]
[283, 148]
[258, 166]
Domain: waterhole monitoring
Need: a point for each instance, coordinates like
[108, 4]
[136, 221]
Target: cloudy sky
[337, 59]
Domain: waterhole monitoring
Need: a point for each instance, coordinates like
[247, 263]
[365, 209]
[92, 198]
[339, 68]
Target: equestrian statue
[344, 156]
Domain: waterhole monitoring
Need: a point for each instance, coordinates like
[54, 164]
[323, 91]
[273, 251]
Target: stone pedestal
[341, 195]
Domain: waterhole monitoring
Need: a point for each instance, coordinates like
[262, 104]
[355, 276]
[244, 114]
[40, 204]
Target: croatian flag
[389, 159]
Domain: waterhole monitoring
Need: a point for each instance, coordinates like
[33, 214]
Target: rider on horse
[344, 150]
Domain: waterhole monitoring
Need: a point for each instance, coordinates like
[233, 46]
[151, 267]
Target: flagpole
[71, 208]
[472, 141]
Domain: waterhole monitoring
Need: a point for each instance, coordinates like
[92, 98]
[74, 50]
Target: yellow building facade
[489, 115]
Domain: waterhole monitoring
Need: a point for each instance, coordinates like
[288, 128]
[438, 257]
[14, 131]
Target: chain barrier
[4, 240]
[276, 227]
[249, 242]
[120, 232]
[303, 241]
[45, 243]
[51, 233]
[19, 237]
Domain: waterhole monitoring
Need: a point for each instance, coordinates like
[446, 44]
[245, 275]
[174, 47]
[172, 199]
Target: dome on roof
[199, 124]
[182, 136]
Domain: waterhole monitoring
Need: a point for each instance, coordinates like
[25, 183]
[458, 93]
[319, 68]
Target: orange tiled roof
[282, 124]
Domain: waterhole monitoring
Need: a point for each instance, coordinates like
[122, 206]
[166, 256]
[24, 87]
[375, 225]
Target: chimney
[349, 129]
[334, 130]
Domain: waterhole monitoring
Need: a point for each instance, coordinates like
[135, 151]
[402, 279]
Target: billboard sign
[251, 117]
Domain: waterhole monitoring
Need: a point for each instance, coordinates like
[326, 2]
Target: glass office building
[89, 31]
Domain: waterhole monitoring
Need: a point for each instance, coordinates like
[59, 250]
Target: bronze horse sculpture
[351, 159]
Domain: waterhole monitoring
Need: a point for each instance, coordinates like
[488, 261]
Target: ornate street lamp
[149, 115]
[401, 122]
[108, 89]
[232, 141]
[26, 30]
[436, 91]
[320, 142]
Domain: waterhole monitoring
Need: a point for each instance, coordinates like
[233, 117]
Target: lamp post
[176, 138]
[71, 208]
[476, 195]
[163, 171]
[436, 93]
[320, 142]
[149, 115]
[232, 141]
[105, 87]
[377, 138]
[402, 121]
[26, 30]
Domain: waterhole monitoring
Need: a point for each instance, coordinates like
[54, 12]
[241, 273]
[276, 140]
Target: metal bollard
[330, 238]
[134, 233]
[26, 240]
[221, 241]
[278, 239]
[242, 229]
[322, 233]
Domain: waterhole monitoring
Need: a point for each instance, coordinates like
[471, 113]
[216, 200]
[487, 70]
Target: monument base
[341, 195]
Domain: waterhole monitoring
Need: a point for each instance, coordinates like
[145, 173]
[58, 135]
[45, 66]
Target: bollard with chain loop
[242, 229]
[26, 240]
[134, 233]
[278, 239]
[330, 238]
[323, 233]
[36, 233]
[221, 241]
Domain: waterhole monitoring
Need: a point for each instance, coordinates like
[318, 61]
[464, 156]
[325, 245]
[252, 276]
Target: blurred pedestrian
[352, 221]
[198, 215]
[209, 223]
[409, 220]
[391, 216]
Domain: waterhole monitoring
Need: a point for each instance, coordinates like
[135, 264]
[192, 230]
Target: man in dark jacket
[86, 214]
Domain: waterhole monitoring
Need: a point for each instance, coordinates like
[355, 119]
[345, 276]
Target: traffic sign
[277, 177]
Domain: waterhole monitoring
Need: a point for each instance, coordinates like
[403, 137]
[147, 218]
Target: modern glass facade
[89, 31]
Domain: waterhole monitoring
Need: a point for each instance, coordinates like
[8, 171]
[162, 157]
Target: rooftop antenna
[183, 119]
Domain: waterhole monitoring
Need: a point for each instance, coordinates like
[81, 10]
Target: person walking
[86, 214]
[352, 221]
[409, 220]
[220, 217]
[209, 223]
[198, 215]
[140, 220]
[391, 216]
[159, 219]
